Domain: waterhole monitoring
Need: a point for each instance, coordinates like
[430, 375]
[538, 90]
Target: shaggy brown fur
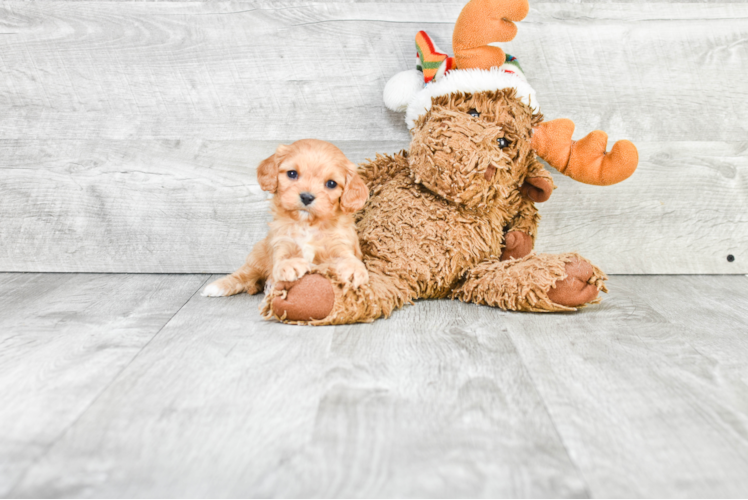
[436, 220]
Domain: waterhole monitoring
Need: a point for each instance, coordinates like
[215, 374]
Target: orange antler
[584, 160]
[482, 22]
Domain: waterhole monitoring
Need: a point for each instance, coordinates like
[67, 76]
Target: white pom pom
[401, 89]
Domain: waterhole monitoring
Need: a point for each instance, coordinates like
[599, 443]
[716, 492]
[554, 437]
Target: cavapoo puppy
[316, 190]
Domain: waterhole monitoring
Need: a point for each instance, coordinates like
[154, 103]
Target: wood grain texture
[272, 71]
[644, 395]
[63, 339]
[130, 129]
[135, 206]
[685, 210]
[648, 390]
[195, 206]
[433, 402]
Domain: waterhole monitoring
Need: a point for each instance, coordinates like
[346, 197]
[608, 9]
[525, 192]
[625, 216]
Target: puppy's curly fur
[316, 190]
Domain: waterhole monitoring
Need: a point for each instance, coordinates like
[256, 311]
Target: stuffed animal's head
[471, 116]
[473, 148]
[460, 108]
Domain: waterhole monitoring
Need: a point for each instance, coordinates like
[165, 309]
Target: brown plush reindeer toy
[455, 217]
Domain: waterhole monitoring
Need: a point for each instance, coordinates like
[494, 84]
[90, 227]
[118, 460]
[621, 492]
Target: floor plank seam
[11, 493]
[587, 489]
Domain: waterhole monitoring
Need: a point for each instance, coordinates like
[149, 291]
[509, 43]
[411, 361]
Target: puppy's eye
[331, 184]
[292, 174]
[474, 113]
[503, 143]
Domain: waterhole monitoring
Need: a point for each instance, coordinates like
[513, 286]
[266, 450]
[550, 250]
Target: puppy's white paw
[290, 269]
[213, 290]
[353, 271]
[360, 277]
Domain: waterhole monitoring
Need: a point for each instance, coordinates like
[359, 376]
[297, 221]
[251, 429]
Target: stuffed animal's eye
[474, 113]
[331, 184]
[292, 174]
[502, 142]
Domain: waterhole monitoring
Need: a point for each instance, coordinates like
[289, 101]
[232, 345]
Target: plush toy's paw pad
[575, 290]
[516, 245]
[214, 290]
[309, 298]
[290, 269]
[538, 189]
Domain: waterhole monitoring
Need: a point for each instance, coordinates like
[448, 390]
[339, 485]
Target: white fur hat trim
[459, 80]
[402, 88]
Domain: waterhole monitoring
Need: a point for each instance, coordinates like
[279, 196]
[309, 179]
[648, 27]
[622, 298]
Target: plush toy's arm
[526, 220]
[381, 169]
[519, 235]
[538, 185]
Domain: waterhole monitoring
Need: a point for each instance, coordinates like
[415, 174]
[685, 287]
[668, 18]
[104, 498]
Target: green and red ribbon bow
[434, 64]
[431, 61]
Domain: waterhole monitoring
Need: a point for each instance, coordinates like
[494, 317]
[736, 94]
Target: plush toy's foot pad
[311, 297]
[516, 245]
[575, 290]
[538, 189]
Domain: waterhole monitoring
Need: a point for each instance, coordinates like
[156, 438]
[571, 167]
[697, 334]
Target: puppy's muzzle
[306, 198]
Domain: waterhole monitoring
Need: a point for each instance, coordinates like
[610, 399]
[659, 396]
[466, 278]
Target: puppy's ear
[355, 193]
[267, 170]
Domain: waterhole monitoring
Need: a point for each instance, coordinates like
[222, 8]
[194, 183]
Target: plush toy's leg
[535, 283]
[520, 234]
[519, 237]
[321, 299]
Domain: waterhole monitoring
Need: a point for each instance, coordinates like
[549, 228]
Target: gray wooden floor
[135, 385]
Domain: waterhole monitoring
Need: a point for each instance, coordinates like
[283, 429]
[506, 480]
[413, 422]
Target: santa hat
[476, 67]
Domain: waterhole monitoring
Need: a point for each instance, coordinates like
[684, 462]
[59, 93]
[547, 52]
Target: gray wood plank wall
[129, 132]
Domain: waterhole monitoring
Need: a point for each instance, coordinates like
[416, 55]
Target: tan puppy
[316, 189]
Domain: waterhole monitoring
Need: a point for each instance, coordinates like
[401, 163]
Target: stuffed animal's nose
[306, 198]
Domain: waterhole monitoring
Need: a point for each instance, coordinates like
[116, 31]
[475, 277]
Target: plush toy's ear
[401, 89]
[355, 193]
[584, 160]
[267, 170]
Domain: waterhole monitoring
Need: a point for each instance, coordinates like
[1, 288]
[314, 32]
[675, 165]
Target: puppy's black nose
[306, 198]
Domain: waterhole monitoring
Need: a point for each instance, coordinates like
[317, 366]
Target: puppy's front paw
[353, 271]
[290, 269]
